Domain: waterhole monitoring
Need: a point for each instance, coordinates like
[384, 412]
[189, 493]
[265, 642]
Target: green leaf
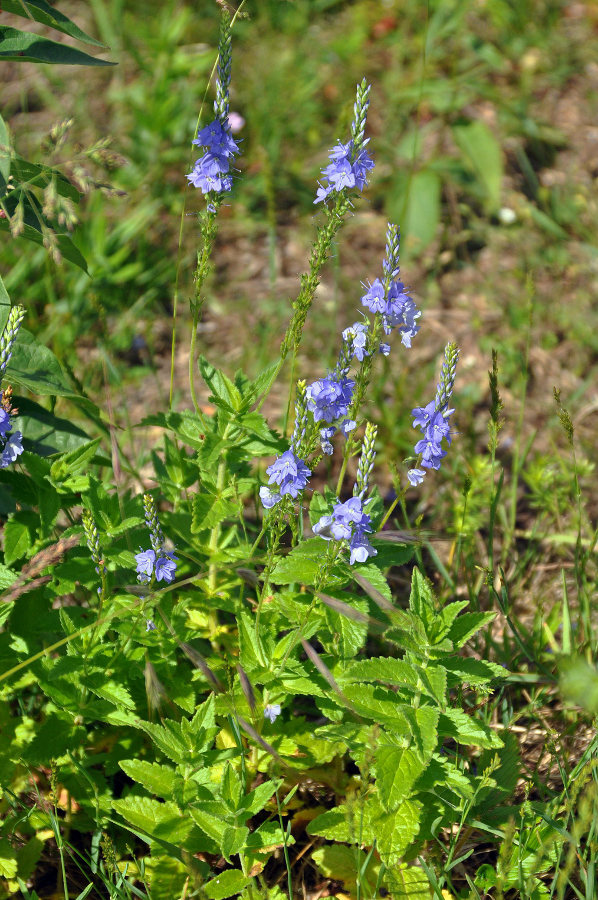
[233, 840]
[34, 175]
[301, 565]
[110, 690]
[224, 393]
[397, 770]
[467, 730]
[74, 462]
[17, 538]
[232, 788]
[53, 739]
[46, 433]
[378, 704]
[227, 884]
[349, 636]
[8, 859]
[467, 625]
[407, 883]
[24, 47]
[484, 157]
[209, 511]
[163, 821]
[7, 577]
[342, 863]
[255, 800]
[186, 425]
[155, 778]
[414, 201]
[35, 367]
[42, 12]
[467, 670]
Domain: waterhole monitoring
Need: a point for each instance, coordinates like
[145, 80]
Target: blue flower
[12, 448]
[329, 398]
[374, 298]
[346, 169]
[4, 420]
[210, 172]
[348, 522]
[150, 625]
[415, 476]
[166, 568]
[272, 711]
[268, 497]
[356, 336]
[145, 560]
[290, 473]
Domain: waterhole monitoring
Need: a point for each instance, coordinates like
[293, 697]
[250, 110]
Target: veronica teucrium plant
[276, 649]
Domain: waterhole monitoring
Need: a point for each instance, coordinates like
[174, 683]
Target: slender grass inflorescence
[12, 446]
[434, 419]
[157, 561]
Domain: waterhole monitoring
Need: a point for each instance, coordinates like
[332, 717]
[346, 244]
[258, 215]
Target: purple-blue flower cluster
[397, 308]
[434, 420]
[350, 523]
[290, 473]
[11, 443]
[211, 171]
[348, 168]
[149, 564]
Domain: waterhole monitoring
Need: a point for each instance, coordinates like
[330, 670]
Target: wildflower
[350, 162]
[272, 711]
[166, 568]
[329, 398]
[434, 419]
[145, 560]
[12, 448]
[356, 336]
[268, 497]
[374, 298]
[150, 625]
[4, 421]
[290, 473]
[153, 525]
[348, 522]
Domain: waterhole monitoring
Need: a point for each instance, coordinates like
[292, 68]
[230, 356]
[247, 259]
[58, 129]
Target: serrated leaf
[301, 565]
[42, 12]
[224, 392]
[110, 690]
[155, 778]
[163, 821]
[24, 47]
[255, 800]
[467, 625]
[8, 859]
[209, 511]
[342, 863]
[233, 840]
[349, 636]
[227, 884]
[397, 770]
[467, 730]
[74, 462]
[430, 681]
[408, 883]
[378, 704]
[466, 669]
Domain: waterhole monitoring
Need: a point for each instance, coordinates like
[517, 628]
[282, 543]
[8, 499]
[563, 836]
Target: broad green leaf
[467, 730]
[7, 577]
[396, 830]
[42, 12]
[467, 670]
[17, 539]
[5, 157]
[224, 392]
[110, 690]
[234, 838]
[155, 778]
[263, 382]
[231, 787]
[342, 863]
[24, 47]
[227, 884]
[46, 433]
[467, 625]
[407, 883]
[35, 367]
[484, 156]
[255, 800]
[414, 201]
[186, 425]
[209, 511]
[74, 462]
[301, 565]
[163, 821]
[397, 770]
[54, 738]
[348, 635]
[8, 859]
[378, 704]
[430, 681]
[250, 652]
